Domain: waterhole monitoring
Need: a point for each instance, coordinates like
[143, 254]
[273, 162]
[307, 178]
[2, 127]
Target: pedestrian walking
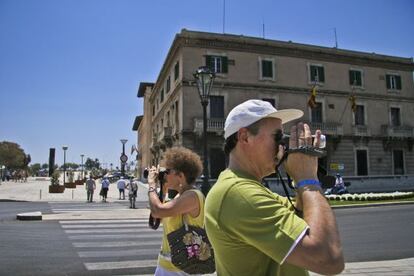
[132, 187]
[105, 187]
[121, 187]
[90, 187]
[255, 231]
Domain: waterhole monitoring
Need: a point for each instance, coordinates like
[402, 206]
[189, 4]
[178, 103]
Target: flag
[133, 148]
[312, 99]
[353, 103]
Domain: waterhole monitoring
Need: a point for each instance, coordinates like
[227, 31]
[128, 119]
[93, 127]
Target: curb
[371, 205]
[29, 216]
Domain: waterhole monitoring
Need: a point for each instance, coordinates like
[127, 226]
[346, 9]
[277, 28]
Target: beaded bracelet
[307, 182]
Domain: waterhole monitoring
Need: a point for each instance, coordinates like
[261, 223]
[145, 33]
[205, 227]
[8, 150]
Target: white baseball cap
[252, 111]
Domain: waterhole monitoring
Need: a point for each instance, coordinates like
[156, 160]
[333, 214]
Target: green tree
[34, 168]
[12, 156]
[70, 165]
[90, 164]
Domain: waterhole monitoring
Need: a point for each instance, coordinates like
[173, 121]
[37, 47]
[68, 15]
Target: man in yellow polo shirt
[254, 231]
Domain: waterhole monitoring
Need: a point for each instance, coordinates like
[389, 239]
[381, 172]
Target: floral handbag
[191, 251]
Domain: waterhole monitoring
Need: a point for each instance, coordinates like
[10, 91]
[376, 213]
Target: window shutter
[358, 78]
[321, 74]
[209, 61]
[398, 81]
[388, 79]
[351, 77]
[224, 64]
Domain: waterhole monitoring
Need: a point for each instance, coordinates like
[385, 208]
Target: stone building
[364, 101]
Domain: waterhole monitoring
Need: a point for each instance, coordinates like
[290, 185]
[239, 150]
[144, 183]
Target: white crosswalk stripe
[117, 246]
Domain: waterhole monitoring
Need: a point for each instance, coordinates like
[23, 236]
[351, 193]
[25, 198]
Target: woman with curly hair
[181, 167]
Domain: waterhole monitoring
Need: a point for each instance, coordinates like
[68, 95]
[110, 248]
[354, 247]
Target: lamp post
[123, 158]
[204, 78]
[82, 155]
[64, 163]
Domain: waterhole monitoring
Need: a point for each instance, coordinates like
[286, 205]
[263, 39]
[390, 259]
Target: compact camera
[161, 173]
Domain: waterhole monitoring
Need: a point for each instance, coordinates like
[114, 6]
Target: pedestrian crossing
[111, 246]
[103, 245]
[98, 206]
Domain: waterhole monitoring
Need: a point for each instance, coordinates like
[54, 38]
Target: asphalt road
[377, 233]
[45, 248]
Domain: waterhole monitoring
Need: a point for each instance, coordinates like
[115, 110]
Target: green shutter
[358, 78]
[209, 61]
[224, 64]
[351, 77]
[398, 81]
[388, 80]
[321, 74]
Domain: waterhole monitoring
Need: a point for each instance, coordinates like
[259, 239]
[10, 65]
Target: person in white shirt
[121, 187]
[132, 187]
[105, 187]
[90, 187]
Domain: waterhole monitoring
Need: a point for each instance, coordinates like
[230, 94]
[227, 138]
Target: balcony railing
[328, 128]
[213, 125]
[166, 133]
[360, 130]
[397, 131]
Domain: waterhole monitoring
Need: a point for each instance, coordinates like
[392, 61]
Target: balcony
[361, 130]
[213, 125]
[328, 128]
[397, 131]
[166, 133]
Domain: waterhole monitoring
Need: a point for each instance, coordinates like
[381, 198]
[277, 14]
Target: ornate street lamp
[123, 158]
[64, 163]
[82, 155]
[204, 78]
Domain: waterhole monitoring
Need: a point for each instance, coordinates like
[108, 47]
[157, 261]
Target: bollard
[40, 194]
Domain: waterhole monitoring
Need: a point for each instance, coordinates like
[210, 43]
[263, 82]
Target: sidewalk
[37, 190]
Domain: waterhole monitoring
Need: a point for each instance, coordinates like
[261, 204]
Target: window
[398, 161]
[355, 77]
[317, 113]
[393, 82]
[216, 107]
[168, 119]
[317, 73]
[395, 116]
[267, 69]
[153, 110]
[176, 70]
[360, 115]
[218, 64]
[271, 101]
[362, 162]
[168, 84]
[162, 95]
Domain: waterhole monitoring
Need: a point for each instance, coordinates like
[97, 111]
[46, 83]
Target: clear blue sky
[69, 69]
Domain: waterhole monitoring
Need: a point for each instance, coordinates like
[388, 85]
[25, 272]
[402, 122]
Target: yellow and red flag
[353, 103]
[312, 99]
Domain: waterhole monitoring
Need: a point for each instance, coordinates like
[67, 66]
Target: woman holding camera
[180, 168]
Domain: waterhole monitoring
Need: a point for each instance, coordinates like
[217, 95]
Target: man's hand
[298, 165]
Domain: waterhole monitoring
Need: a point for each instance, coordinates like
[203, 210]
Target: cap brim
[286, 115]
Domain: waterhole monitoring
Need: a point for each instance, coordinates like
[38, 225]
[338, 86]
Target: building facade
[363, 102]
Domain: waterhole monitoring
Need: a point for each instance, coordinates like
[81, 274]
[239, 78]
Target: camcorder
[326, 180]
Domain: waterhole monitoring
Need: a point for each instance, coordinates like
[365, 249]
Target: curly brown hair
[183, 160]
